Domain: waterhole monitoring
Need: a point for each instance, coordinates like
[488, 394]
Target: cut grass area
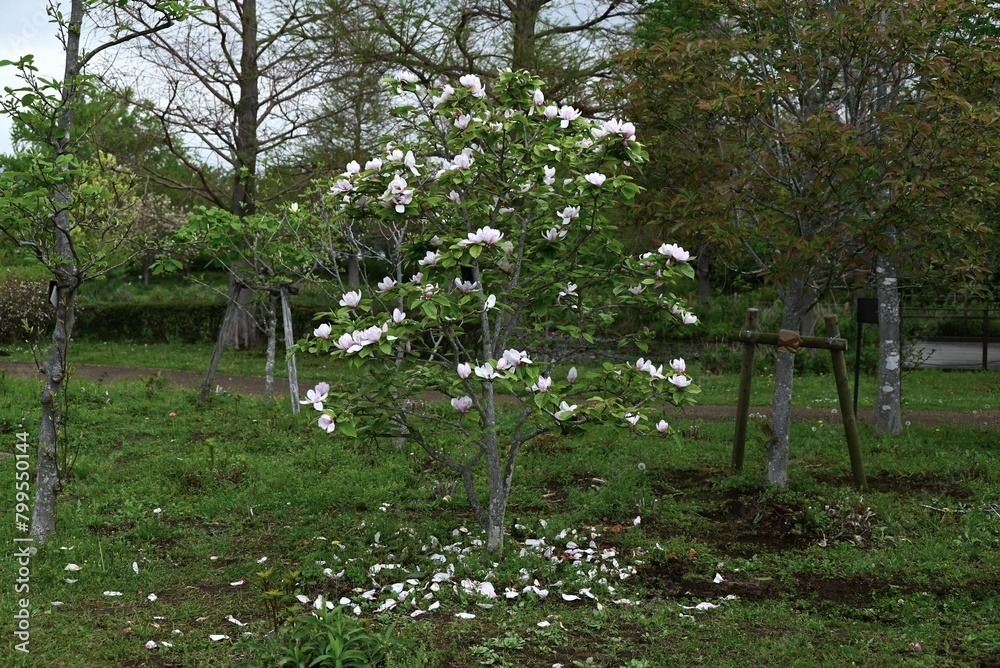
[906, 574]
[924, 389]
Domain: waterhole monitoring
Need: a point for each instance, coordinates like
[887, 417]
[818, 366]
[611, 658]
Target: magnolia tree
[507, 265]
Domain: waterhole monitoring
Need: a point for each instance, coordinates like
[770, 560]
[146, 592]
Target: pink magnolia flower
[317, 396]
[430, 259]
[688, 318]
[473, 84]
[543, 384]
[446, 93]
[632, 419]
[662, 426]
[637, 289]
[386, 284]
[551, 112]
[569, 213]
[323, 331]
[679, 380]
[490, 302]
[397, 195]
[486, 236]
[570, 289]
[655, 372]
[674, 251]
[347, 343]
[464, 370]
[596, 178]
[463, 161]
[462, 404]
[565, 411]
[554, 234]
[572, 375]
[550, 175]
[351, 299]
[342, 186]
[462, 122]
[465, 287]
[327, 423]
[410, 162]
[374, 163]
[417, 277]
[430, 290]
[353, 167]
[538, 98]
[398, 316]
[454, 197]
[567, 115]
[486, 371]
[513, 359]
[678, 365]
[395, 155]
[643, 364]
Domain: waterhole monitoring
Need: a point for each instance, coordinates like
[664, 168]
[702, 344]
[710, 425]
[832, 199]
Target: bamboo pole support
[846, 407]
[743, 399]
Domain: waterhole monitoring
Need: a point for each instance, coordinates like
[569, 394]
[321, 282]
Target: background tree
[830, 126]
[51, 209]
[569, 44]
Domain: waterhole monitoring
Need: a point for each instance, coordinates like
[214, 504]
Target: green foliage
[326, 638]
[770, 143]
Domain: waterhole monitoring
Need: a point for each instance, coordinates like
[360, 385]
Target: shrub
[22, 301]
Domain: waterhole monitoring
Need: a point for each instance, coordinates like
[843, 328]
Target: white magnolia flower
[565, 411]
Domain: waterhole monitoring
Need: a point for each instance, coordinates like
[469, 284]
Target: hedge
[167, 323]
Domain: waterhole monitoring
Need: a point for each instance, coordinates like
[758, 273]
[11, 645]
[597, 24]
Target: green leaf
[347, 429]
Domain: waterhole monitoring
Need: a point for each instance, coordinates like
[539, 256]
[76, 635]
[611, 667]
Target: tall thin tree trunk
[784, 373]
[293, 372]
[888, 403]
[272, 336]
[47, 486]
[244, 197]
[494, 472]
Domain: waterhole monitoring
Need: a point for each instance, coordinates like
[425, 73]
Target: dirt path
[252, 385]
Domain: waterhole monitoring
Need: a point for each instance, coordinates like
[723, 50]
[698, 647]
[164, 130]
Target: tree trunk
[781, 408]
[701, 274]
[353, 271]
[47, 486]
[245, 332]
[494, 470]
[524, 15]
[228, 322]
[272, 332]
[888, 406]
[293, 372]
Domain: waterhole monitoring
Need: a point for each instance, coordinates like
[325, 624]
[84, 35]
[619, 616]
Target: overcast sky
[24, 29]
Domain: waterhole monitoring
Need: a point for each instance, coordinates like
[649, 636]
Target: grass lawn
[614, 543]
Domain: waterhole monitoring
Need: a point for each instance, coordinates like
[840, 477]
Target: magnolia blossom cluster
[678, 379]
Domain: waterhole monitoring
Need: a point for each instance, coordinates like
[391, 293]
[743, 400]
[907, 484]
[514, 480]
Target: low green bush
[23, 302]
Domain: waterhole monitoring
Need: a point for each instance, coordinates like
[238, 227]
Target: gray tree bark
[293, 372]
[888, 401]
[781, 408]
[225, 332]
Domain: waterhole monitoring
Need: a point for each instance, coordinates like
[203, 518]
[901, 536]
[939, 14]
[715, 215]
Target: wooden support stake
[846, 407]
[743, 399]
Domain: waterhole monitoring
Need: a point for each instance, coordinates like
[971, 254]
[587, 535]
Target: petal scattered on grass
[73, 567]
[216, 637]
[113, 593]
